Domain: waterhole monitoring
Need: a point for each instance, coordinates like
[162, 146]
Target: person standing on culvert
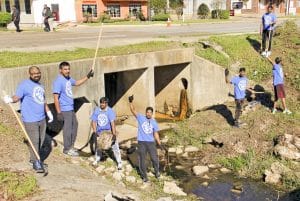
[147, 135]
[266, 30]
[34, 108]
[104, 128]
[16, 18]
[64, 105]
[278, 83]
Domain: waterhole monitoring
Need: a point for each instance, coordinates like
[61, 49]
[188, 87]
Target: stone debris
[130, 179]
[113, 196]
[206, 177]
[199, 170]
[172, 150]
[191, 149]
[172, 188]
[287, 147]
[179, 150]
[165, 199]
[274, 175]
[100, 168]
[204, 184]
[214, 166]
[118, 176]
[225, 170]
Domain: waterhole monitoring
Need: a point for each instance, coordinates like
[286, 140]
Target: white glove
[50, 116]
[7, 99]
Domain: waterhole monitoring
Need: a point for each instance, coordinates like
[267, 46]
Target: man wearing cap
[64, 105]
[31, 94]
[103, 124]
[266, 30]
[278, 83]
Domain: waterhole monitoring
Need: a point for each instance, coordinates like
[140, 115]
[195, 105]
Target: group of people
[46, 13]
[34, 109]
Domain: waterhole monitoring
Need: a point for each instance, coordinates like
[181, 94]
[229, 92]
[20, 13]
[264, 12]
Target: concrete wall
[208, 84]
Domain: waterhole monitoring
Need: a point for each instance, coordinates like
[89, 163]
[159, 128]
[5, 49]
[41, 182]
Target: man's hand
[226, 72]
[50, 116]
[130, 99]
[90, 74]
[162, 147]
[7, 99]
[113, 140]
[60, 117]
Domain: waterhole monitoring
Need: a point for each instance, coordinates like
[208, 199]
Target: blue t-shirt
[32, 97]
[240, 86]
[146, 128]
[63, 87]
[277, 74]
[267, 20]
[103, 118]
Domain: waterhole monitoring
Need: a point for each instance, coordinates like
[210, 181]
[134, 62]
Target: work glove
[60, 117]
[162, 147]
[226, 72]
[50, 116]
[113, 140]
[130, 99]
[7, 99]
[90, 74]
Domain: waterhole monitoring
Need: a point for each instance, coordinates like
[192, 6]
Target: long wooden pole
[23, 129]
[97, 47]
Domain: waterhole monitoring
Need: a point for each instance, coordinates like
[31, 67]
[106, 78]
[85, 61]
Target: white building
[191, 6]
[31, 10]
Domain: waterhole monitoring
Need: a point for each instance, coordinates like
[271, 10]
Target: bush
[215, 14]
[224, 14]
[141, 16]
[104, 17]
[5, 18]
[203, 11]
[160, 17]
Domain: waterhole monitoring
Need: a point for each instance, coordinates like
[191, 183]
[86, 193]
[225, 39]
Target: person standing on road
[266, 30]
[103, 124]
[278, 83]
[46, 15]
[31, 94]
[16, 18]
[147, 135]
[240, 83]
[64, 105]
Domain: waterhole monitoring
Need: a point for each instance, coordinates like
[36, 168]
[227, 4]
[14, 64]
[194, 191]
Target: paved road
[86, 36]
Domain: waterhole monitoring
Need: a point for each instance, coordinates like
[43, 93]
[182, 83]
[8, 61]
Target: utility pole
[149, 10]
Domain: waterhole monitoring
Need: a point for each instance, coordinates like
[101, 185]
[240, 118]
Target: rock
[185, 155]
[109, 170]
[297, 142]
[236, 191]
[150, 174]
[279, 168]
[126, 145]
[117, 176]
[165, 199]
[172, 188]
[91, 159]
[109, 160]
[130, 179]
[114, 196]
[128, 168]
[172, 150]
[225, 170]
[191, 149]
[206, 177]
[204, 183]
[100, 168]
[179, 150]
[179, 167]
[214, 166]
[287, 153]
[272, 178]
[198, 170]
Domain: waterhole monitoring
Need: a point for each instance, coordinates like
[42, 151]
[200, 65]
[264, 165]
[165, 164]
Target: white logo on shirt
[38, 95]
[268, 20]
[242, 85]
[147, 127]
[281, 72]
[69, 89]
[102, 120]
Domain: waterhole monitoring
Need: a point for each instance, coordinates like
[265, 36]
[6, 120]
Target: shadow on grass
[224, 111]
[254, 43]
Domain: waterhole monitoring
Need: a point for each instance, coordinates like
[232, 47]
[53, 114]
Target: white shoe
[96, 161]
[268, 53]
[119, 166]
[286, 111]
[274, 111]
[264, 53]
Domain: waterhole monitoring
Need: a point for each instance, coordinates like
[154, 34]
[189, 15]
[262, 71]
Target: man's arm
[132, 108]
[227, 76]
[156, 136]
[15, 99]
[270, 60]
[83, 80]
[94, 126]
[113, 128]
[56, 103]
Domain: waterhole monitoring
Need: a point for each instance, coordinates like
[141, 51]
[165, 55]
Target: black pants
[69, 130]
[267, 35]
[238, 110]
[16, 22]
[143, 149]
[46, 23]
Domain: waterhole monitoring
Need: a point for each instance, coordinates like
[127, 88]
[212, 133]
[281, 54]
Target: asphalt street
[86, 36]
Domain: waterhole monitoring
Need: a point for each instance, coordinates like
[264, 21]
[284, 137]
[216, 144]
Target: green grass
[17, 185]
[14, 59]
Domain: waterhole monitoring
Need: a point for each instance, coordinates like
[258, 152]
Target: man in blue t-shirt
[266, 30]
[64, 105]
[103, 124]
[240, 83]
[31, 94]
[147, 135]
[278, 83]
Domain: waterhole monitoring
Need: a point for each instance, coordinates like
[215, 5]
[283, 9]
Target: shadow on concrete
[224, 111]
[165, 74]
[265, 98]
[117, 83]
[291, 196]
[254, 43]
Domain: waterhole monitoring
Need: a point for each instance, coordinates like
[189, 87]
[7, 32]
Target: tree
[177, 5]
[158, 5]
[203, 11]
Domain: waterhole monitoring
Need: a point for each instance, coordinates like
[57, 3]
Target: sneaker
[268, 53]
[119, 166]
[97, 160]
[38, 167]
[157, 175]
[274, 111]
[286, 111]
[145, 180]
[236, 124]
[264, 53]
[72, 152]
